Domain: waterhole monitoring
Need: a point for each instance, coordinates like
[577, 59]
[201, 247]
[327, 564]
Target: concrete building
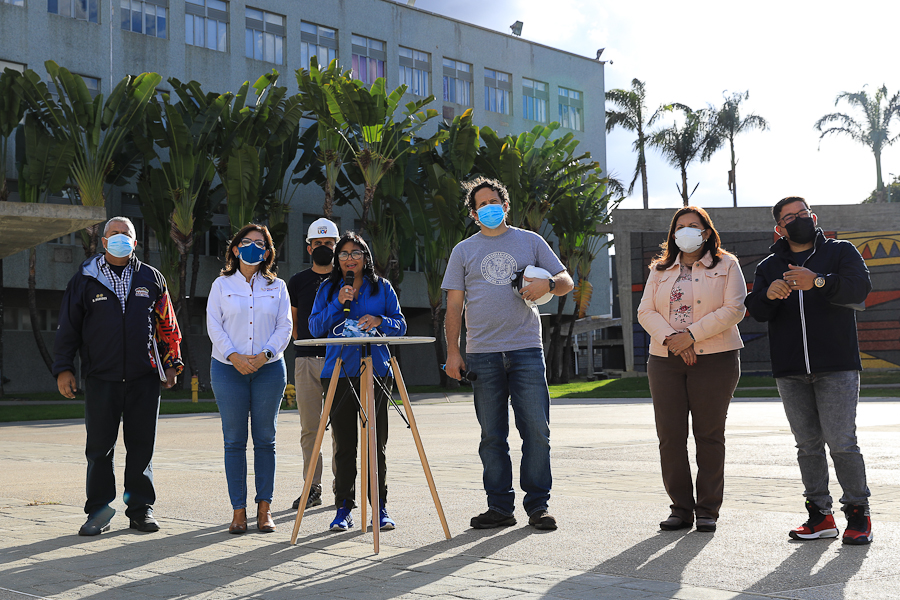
[511, 83]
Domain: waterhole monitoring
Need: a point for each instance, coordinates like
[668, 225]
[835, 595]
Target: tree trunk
[367, 202]
[733, 175]
[32, 309]
[195, 268]
[1, 327]
[186, 312]
[879, 184]
[684, 193]
[644, 185]
[554, 355]
[569, 338]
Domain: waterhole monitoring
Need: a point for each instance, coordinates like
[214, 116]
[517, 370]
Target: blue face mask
[251, 255]
[491, 215]
[119, 245]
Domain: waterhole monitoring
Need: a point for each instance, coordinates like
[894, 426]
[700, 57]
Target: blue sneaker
[385, 522]
[343, 520]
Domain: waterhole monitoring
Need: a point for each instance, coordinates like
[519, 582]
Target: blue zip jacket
[812, 331]
[116, 346]
[327, 320]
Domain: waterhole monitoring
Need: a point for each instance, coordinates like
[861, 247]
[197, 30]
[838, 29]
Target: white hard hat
[536, 273]
[322, 228]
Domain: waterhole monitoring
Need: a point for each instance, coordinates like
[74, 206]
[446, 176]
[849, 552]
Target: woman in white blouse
[248, 317]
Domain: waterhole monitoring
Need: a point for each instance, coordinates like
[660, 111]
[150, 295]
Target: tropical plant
[633, 105]
[687, 139]
[891, 192]
[729, 123]
[97, 128]
[872, 131]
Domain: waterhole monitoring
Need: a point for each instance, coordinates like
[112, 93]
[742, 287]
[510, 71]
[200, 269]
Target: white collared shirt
[248, 318]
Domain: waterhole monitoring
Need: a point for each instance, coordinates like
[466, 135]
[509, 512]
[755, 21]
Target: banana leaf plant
[97, 127]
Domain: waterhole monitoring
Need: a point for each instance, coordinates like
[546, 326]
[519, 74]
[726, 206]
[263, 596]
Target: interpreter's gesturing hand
[242, 363]
[689, 357]
[369, 322]
[799, 278]
[679, 342]
[66, 383]
[778, 290]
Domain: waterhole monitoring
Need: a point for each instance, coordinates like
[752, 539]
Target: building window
[415, 71]
[148, 17]
[11, 65]
[206, 24]
[368, 59]
[571, 109]
[83, 10]
[13, 2]
[496, 91]
[92, 84]
[19, 319]
[534, 100]
[317, 41]
[265, 36]
[457, 82]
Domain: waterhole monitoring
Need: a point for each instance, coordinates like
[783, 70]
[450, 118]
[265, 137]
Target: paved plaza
[607, 495]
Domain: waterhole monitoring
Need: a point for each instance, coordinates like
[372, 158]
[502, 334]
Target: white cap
[322, 228]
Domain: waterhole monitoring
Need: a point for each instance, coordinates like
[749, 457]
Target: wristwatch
[552, 284]
[269, 354]
[820, 280]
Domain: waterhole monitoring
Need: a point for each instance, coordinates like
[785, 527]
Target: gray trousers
[310, 401]
[821, 409]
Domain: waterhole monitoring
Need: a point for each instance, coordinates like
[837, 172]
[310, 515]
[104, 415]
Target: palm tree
[729, 124]
[682, 143]
[633, 103]
[872, 131]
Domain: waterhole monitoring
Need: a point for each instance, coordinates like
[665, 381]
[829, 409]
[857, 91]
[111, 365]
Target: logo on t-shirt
[498, 268]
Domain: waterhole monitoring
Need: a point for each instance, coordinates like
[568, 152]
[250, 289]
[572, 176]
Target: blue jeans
[821, 409]
[258, 397]
[519, 376]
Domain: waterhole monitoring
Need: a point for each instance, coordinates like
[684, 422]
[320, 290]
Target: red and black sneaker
[859, 525]
[819, 525]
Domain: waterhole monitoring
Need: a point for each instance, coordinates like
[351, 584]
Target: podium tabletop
[360, 341]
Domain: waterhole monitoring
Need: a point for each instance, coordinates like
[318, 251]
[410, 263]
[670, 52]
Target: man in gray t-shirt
[504, 349]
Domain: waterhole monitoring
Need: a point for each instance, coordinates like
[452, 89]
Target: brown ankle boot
[239, 521]
[264, 520]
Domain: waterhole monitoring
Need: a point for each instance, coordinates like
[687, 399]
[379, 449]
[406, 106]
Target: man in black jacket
[117, 314]
[806, 291]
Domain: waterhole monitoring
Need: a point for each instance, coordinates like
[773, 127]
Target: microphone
[466, 374]
[348, 281]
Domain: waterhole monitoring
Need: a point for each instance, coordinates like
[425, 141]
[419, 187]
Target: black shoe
[491, 519]
[144, 523]
[674, 523]
[541, 519]
[707, 524]
[315, 498]
[98, 522]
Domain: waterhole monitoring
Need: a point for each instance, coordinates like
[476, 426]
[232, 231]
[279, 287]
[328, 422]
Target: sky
[793, 57]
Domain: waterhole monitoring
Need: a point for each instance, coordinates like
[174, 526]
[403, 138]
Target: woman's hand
[679, 342]
[369, 322]
[241, 363]
[348, 292]
[689, 357]
[258, 360]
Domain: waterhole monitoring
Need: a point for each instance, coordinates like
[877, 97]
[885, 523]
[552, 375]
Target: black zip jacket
[812, 331]
[116, 346]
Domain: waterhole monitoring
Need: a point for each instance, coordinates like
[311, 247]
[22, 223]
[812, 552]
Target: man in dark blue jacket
[806, 291]
[117, 313]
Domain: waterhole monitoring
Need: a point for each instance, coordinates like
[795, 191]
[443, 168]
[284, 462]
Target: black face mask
[802, 230]
[322, 255]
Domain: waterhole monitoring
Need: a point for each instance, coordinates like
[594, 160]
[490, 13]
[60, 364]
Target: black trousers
[345, 419]
[136, 404]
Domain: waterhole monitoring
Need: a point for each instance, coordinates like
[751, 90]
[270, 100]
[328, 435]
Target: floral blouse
[681, 301]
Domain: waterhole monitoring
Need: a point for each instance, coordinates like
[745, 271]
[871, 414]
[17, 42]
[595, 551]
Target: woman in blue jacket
[374, 306]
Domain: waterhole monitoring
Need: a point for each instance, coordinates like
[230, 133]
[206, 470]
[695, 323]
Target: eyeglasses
[355, 255]
[803, 214]
[258, 243]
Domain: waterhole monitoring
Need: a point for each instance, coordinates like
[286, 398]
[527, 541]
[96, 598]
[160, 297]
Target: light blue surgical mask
[252, 254]
[119, 245]
[491, 215]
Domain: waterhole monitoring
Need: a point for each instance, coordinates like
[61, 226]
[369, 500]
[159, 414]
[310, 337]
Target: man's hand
[65, 381]
[800, 278]
[689, 357]
[455, 365]
[242, 363]
[679, 342]
[778, 290]
[536, 288]
[171, 378]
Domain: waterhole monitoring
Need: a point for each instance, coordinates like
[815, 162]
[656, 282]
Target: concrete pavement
[607, 496]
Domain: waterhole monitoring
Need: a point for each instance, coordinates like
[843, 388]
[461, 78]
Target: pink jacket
[718, 305]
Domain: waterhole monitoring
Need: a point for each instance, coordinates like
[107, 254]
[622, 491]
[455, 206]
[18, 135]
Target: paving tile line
[344, 568]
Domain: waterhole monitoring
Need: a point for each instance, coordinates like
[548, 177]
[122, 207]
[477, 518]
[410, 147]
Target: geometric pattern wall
[878, 326]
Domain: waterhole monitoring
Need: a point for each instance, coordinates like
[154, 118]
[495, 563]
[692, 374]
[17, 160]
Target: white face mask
[689, 239]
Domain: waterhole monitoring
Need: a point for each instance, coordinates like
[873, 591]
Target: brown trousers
[704, 390]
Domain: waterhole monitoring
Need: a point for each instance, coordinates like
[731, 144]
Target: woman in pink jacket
[692, 303]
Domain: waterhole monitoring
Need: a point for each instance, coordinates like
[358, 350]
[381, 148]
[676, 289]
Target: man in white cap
[321, 238]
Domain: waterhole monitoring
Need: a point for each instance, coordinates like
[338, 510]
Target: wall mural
[878, 325]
